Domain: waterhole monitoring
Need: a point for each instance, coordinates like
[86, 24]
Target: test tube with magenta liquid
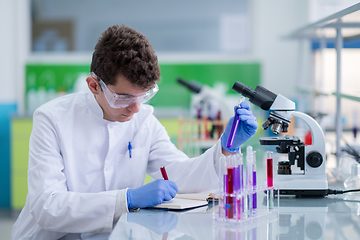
[229, 208]
[269, 159]
[270, 179]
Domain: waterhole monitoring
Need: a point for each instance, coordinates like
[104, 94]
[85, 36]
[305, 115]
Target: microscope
[215, 97]
[311, 180]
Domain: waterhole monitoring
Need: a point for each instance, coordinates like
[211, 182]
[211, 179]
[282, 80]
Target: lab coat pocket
[135, 154]
[131, 167]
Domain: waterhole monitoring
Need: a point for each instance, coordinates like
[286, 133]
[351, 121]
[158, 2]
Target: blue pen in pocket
[129, 147]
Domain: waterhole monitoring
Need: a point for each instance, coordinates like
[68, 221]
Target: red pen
[163, 173]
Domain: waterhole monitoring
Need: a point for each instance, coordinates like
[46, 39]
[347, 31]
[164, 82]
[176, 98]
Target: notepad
[180, 204]
[203, 196]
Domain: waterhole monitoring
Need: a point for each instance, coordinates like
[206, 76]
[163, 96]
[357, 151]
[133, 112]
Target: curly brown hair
[125, 51]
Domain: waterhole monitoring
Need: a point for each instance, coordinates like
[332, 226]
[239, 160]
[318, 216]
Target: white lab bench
[330, 218]
[298, 218]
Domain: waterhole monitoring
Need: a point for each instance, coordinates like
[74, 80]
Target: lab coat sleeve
[52, 206]
[190, 174]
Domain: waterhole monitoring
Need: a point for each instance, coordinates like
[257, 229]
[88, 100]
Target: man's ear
[93, 85]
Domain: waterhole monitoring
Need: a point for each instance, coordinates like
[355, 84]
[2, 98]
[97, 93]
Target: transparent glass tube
[270, 178]
[229, 212]
[254, 181]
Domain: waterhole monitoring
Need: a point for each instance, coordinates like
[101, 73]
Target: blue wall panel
[6, 111]
[330, 43]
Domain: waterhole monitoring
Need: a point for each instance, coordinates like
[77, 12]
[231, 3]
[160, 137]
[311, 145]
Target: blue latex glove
[151, 194]
[246, 129]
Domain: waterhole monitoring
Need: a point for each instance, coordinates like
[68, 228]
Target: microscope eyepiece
[261, 97]
[243, 90]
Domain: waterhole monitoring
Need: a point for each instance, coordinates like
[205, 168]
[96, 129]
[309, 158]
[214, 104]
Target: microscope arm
[315, 156]
[318, 138]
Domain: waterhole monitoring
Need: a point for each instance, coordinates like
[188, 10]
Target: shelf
[312, 92]
[318, 93]
[351, 97]
[348, 20]
[343, 25]
[194, 134]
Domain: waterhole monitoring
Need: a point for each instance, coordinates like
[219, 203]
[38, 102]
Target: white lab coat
[78, 163]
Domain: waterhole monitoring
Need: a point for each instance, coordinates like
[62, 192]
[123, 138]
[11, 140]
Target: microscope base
[304, 193]
[302, 185]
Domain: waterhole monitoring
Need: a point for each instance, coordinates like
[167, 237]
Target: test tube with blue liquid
[237, 184]
[234, 126]
[254, 180]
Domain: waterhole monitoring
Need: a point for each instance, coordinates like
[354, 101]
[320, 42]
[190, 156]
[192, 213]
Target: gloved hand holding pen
[245, 130]
[151, 194]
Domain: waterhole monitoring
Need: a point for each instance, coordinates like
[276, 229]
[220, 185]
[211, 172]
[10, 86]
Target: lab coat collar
[95, 107]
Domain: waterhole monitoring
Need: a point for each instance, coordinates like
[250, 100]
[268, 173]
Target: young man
[90, 151]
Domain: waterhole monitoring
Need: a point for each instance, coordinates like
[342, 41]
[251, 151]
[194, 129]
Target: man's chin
[124, 118]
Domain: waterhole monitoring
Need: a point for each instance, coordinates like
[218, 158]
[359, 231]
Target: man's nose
[134, 107]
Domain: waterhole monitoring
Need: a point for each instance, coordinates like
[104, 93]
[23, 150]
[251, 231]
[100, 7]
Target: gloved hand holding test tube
[234, 126]
[240, 128]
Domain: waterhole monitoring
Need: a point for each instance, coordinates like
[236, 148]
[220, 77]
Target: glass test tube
[229, 208]
[222, 187]
[240, 200]
[249, 175]
[222, 175]
[254, 181]
[242, 187]
[234, 126]
[238, 161]
[270, 179]
[236, 173]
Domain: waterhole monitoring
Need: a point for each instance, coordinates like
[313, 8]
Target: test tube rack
[237, 201]
[252, 229]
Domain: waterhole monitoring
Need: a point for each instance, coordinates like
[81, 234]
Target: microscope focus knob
[314, 159]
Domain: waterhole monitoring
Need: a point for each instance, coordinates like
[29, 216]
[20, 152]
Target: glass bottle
[353, 182]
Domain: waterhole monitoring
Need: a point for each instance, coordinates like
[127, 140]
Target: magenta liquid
[230, 190]
[254, 188]
[270, 182]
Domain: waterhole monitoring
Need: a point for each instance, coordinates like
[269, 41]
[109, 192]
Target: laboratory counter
[332, 217]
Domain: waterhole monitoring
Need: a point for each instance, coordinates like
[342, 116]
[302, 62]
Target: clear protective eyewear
[124, 100]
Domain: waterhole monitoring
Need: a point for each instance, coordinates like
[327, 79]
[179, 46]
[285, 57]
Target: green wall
[171, 94]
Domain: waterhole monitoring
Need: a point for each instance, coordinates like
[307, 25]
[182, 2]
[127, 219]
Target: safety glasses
[124, 100]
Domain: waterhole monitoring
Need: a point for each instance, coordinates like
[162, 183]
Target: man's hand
[151, 194]
[246, 129]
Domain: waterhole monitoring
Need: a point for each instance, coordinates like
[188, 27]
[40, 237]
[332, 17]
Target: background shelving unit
[341, 26]
[194, 135]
